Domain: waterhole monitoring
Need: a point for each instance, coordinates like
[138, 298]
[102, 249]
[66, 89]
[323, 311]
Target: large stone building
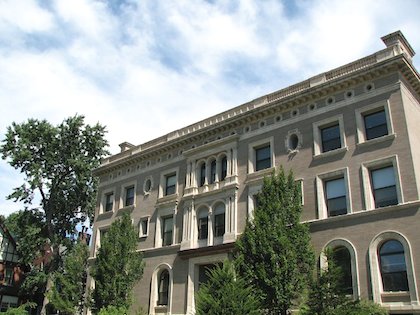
[352, 137]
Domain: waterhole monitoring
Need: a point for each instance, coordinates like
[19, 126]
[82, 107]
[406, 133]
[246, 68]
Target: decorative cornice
[378, 64]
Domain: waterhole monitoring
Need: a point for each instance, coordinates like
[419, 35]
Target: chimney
[397, 39]
[126, 146]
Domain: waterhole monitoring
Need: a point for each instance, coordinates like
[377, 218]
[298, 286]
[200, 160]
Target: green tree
[326, 292]
[117, 267]
[327, 296]
[274, 251]
[59, 190]
[226, 293]
[67, 292]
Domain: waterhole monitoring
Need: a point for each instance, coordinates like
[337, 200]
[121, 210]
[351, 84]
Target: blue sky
[145, 68]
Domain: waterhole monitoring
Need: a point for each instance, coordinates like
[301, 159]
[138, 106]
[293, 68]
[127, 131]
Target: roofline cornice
[368, 68]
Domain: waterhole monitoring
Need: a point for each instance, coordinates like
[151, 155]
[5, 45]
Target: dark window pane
[384, 188]
[262, 158]
[202, 174]
[167, 231]
[219, 224]
[203, 226]
[203, 273]
[170, 184]
[336, 197]
[129, 196]
[342, 258]
[386, 196]
[213, 171]
[224, 168]
[337, 206]
[109, 202]
[393, 266]
[163, 288]
[375, 125]
[330, 138]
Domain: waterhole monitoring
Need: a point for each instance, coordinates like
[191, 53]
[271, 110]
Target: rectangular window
[375, 125]
[202, 175]
[262, 158]
[129, 196]
[8, 277]
[212, 171]
[336, 197]
[109, 202]
[143, 227]
[330, 137]
[384, 187]
[203, 227]
[224, 168]
[170, 184]
[219, 224]
[167, 226]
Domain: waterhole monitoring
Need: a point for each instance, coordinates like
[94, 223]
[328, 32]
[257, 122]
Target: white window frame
[141, 231]
[162, 185]
[147, 192]
[252, 153]
[192, 279]
[377, 286]
[153, 307]
[99, 231]
[163, 214]
[102, 206]
[252, 191]
[360, 122]
[320, 190]
[354, 265]
[124, 193]
[367, 183]
[299, 181]
[317, 126]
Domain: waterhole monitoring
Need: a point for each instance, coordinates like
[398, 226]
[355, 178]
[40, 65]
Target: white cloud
[146, 68]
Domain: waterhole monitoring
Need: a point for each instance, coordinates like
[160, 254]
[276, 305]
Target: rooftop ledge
[396, 45]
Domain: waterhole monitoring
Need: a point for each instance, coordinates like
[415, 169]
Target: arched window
[212, 171]
[392, 266]
[202, 175]
[203, 224]
[163, 288]
[219, 220]
[342, 259]
[223, 168]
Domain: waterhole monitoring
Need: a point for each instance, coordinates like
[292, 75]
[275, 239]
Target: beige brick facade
[209, 205]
